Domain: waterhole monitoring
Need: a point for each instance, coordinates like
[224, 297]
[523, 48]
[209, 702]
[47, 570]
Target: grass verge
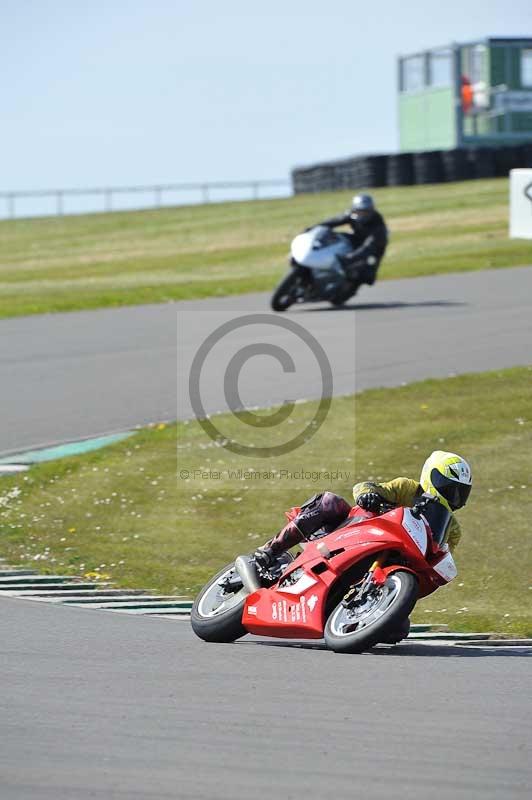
[146, 517]
[126, 258]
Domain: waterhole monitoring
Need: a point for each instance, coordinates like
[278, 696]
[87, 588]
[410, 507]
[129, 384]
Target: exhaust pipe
[248, 574]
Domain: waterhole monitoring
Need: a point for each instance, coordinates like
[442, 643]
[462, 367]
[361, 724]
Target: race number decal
[280, 611]
[416, 530]
[446, 568]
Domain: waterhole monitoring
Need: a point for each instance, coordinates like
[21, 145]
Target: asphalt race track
[113, 707]
[108, 707]
[71, 376]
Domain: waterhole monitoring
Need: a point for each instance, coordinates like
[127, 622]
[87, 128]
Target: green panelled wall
[426, 120]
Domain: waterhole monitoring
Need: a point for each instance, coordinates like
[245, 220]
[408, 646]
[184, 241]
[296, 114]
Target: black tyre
[284, 295]
[354, 629]
[216, 614]
[398, 634]
[343, 297]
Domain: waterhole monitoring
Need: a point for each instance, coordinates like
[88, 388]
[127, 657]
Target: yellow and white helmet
[447, 476]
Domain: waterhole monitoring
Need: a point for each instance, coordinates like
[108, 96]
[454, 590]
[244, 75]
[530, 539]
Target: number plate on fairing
[416, 530]
[446, 568]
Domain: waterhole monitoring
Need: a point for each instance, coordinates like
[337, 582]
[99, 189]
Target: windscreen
[439, 519]
[326, 237]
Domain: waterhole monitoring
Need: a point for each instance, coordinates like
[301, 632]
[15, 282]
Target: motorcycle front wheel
[284, 295]
[216, 614]
[353, 628]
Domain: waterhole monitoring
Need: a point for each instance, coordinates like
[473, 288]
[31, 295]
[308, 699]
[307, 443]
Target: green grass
[129, 513]
[99, 260]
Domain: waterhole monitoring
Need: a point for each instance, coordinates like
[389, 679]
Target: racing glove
[370, 501]
[264, 556]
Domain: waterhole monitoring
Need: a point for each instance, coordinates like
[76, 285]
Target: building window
[440, 68]
[526, 68]
[478, 64]
[413, 74]
[474, 66]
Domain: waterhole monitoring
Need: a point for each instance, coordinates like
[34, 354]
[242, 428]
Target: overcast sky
[135, 92]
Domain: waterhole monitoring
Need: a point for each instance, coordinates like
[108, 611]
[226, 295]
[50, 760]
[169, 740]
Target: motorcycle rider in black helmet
[369, 238]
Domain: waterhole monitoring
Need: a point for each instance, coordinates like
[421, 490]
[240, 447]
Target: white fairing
[417, 530]
[446, 568]
[308, 250]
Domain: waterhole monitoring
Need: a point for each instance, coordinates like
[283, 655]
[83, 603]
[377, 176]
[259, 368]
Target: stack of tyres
[319, 178]
[323, 178]
[340, 174]
[372, 171]
[349, 174]
[507, 158]
[455, 165]
[367, 171]
[525, 155]
[400, 169]
[300, 181]
[482, 162]
[428, 167]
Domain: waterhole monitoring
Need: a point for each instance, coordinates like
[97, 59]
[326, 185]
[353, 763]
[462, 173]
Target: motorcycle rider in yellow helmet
[446, 476]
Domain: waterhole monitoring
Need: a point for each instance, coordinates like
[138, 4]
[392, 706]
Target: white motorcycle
[317, 273]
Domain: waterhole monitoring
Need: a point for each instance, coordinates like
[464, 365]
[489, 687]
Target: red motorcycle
[354, 587]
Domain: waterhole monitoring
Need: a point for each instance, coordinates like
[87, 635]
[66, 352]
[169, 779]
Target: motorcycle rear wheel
[217, 616]
[283, 297]
[355, 629]
[342, 298]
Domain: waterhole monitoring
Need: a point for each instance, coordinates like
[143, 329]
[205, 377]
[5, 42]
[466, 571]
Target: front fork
[375, 577]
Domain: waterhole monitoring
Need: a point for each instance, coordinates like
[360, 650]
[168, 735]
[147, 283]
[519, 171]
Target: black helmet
[362, 207]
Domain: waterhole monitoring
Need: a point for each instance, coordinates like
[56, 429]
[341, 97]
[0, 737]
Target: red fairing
[294, 607]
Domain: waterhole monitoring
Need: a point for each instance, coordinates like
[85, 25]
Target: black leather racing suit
[369, 240]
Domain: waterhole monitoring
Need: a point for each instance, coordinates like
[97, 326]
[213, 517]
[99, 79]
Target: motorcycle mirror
[324, 550]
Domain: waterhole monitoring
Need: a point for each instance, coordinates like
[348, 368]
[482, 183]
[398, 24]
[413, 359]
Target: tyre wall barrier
[428, 167]
[400, 169]
[455, 165]
[404, 169]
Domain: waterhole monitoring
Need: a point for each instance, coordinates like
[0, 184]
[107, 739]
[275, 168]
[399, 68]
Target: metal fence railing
[161, 194]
